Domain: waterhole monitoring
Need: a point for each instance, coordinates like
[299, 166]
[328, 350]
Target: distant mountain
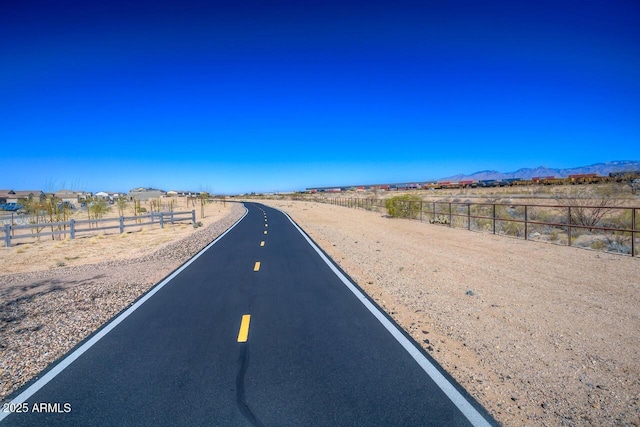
[528, 173]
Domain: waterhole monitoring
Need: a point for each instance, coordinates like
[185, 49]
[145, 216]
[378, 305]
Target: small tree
[204, 198]
[121, 203]
[98, 208]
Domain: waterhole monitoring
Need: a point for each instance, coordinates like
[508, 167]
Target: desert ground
[541, 335]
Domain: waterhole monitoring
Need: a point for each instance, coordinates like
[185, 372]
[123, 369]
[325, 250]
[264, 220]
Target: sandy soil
[100, 246]
[540, 334]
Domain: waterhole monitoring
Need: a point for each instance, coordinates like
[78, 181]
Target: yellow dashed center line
[266, 225]
[262, 243]
[265, 231]
[244, 328]
[257, 266]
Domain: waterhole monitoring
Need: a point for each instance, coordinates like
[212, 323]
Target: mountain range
[601, 169]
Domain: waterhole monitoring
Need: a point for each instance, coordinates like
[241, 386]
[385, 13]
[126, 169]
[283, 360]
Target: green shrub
[405, 206]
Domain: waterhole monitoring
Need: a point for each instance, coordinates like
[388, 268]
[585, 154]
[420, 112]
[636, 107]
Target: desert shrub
[512, 228]
[459, 222]
[622, 220]
[501, 211]
[439, 219]
[405, 206]
[599, 245]
[484, 224]
[619, 243]
[590, 205]
[543, 215]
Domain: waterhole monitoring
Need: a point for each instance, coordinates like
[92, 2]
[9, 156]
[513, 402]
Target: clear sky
[240, 96]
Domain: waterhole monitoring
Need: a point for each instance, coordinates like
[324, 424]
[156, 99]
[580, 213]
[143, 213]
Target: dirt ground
[89, 248]
[541, 335]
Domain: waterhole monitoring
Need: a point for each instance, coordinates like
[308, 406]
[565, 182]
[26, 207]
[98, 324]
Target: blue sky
[235, 97]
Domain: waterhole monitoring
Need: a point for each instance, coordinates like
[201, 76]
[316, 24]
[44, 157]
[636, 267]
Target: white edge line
[472, 414]
[64, 363]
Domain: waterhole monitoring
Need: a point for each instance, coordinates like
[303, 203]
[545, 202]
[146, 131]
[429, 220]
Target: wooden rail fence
[73, 227]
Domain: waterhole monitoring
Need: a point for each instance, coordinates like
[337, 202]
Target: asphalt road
[259, 329]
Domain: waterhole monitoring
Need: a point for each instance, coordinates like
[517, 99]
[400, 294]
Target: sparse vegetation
[121, 203]
[405, 206]
[590, 205]
[573, 215]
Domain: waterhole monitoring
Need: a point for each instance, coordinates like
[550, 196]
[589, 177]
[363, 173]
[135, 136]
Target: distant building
[102, 195]
[22, 196]
[146, 193]
[5, 194]
[68, 196]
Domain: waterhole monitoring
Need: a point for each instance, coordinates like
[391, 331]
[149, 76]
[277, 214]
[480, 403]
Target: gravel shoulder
[45, 311]
[541, 335]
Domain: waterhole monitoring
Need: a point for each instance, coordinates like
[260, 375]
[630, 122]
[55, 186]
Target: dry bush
[590, 205]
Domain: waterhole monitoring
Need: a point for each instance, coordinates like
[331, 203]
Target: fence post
[72, 228]
[152, 217]
[469, 216]
[494, 218]
[433, 212]
[161, 220]
[7, 235]
[633, 231]
[450, 216]
[526, 223]
[171, 217]
[569, 225]
[121, 224]
[193, 216]
[421, 205]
